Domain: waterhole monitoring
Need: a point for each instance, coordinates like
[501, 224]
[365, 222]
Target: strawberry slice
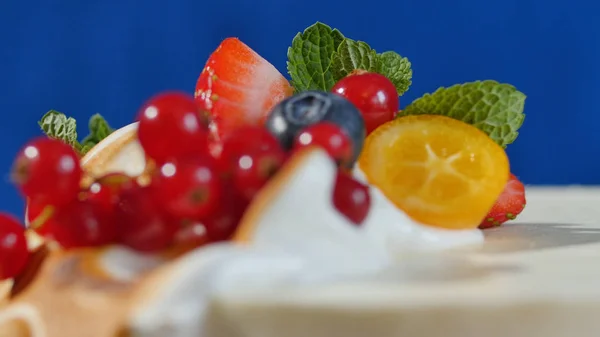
[510, 203]
[237, 87]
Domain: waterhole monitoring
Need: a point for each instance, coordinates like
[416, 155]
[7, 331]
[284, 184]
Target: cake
[262, 207]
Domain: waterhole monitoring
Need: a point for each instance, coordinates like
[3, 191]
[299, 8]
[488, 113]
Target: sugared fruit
[13, 247]
[373, 94]
[331, 138]
[48, 171]
[351, 198]
[238, 87]
[440, 171]
[295, 113]
[510, 204]
[170, 126]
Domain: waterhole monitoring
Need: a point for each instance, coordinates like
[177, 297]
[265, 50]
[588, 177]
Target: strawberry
[237, 87]
[510, 203]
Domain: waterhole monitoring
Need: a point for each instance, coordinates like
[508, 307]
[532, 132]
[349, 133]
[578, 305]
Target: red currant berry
[191, 235]
[170, 127]
[82, 223]
[351, 198]
[223, 223]
[330, 137]
[188, 188]
[142, 223]
[254, 168]
[106, 189]
[13, 247]
[47, 170]
[245, 139]
[373, 94]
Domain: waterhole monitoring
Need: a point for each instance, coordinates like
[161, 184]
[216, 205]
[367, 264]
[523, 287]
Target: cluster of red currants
[196, 196]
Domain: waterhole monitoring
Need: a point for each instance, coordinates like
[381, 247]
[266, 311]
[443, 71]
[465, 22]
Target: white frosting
[301, 240]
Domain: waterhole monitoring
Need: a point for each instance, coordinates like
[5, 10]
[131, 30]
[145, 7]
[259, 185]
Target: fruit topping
[82, 223]
[351, 198]
[188, 188]
[440, 171]
[144, 225]
[13, 247]
[290, 117]
[106, 189]
[47, 170]
[373, 94]
[254, 168]
[510, 204]
[237, 87]
[331, 138]
[243, 140]
[171, 127]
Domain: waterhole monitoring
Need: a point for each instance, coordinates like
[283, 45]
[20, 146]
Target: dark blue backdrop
[107, 56]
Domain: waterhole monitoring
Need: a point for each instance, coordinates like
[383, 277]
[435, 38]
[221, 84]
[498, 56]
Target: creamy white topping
[301, 240]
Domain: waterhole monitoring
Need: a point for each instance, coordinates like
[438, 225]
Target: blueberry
[293, 114]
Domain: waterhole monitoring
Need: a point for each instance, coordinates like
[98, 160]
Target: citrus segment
[440, 171]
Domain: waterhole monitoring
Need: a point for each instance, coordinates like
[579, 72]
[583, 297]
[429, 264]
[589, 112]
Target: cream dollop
[300, 240]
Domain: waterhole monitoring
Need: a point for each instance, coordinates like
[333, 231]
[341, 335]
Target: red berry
[243, 140]
[106, 189]
[143, 225]
[330, 137]
[171, 127]
[373, 94]
[188, 188]
[254, 168]
[223, 223]
[238, 87]
[351, 198]
[191, 235]
[47, 170]
[13, 247]
[83, 223]
[510, 203]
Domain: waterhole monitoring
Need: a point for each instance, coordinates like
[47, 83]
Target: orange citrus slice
[440, 171]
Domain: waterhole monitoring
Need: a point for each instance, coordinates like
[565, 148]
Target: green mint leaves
[320, 56]
[311, 55]
[494, 108]
[57, 125]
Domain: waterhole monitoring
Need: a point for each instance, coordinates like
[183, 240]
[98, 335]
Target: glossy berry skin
[351, 198]
[13, 247]
[47, 170]
[106, 189]
[223, 223]
[373, 94]
[254, 169]
[188, 188]
[170, 126]
[83, 223]
[295, 113]
[243, 140]
[330, 137]
[142, 223]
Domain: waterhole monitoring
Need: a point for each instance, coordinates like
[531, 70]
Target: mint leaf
[352, 55]
[494, 108]
[397, 69]
[57, 125]
[310, 57]
[99, 129]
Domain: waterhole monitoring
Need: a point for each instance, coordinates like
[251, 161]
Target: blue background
[107, 56]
